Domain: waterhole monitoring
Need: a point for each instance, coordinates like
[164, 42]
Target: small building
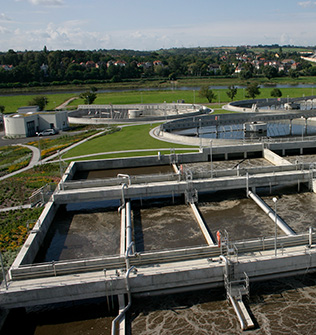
[256, 127]
[29, 120]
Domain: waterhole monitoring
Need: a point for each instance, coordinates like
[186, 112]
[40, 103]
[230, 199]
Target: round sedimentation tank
[104, 114]
[250, 121]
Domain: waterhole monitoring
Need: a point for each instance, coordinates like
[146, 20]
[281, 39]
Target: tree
[276, 93]
[88, 97]
[206, 92]
[2, 108]
[245, 74]
[227, 69]
[232, 91]
[293, 74]
[270, 71]
[40, 101]
[252, 90]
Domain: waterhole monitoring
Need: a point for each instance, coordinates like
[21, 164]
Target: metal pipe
[125, 176]
[129, 297]
[242, 324]
[276, 226]
[127, 254]
[123, 231]
[123, 197]
[128, 224]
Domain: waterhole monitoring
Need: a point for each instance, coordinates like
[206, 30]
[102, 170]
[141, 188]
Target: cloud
[4, 30]
[47, 2]
[3, 17]
[307, 4]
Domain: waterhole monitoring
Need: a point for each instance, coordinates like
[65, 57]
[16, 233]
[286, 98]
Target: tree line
[34, 68]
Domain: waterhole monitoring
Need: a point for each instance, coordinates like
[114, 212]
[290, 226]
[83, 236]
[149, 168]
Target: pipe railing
[41, 270]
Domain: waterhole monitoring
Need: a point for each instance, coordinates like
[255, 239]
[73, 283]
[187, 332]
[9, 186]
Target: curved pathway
[65, 104]
[36, 156]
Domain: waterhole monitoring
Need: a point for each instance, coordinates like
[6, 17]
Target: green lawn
[12, 103]
[129, 138]
[189, 96]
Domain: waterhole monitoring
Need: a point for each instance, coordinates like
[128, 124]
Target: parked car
[47, 132]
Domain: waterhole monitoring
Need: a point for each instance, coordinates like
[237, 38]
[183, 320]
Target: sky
[152, 25]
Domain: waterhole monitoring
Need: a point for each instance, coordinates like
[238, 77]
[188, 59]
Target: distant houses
[7, 67]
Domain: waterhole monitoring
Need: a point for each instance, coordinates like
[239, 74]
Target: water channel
[87, 230]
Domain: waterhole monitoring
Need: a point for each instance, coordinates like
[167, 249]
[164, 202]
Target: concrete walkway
[33, 162]
[36, 156]
[7, 209]
[65, 104]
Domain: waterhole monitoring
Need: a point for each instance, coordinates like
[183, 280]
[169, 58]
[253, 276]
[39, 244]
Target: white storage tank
[134, 113]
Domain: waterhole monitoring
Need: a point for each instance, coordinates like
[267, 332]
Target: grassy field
[189, 96]
[128, 138]
[13, 102]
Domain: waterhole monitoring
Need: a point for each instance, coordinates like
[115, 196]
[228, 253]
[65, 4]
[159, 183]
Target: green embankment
[128, 138]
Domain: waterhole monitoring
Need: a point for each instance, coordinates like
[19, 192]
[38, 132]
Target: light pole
[193, 97]
[39, 148]
[302, 117]
[276, 226]
[200, 132]
[61, 170]
[211, 157]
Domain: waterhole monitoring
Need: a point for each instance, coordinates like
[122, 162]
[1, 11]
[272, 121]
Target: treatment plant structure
[221, 260]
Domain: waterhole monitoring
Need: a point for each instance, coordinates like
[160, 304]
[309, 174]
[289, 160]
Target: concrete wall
[203, 156]
[274, 158]
[138, 161]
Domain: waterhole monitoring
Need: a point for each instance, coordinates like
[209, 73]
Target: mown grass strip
[128, 138]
